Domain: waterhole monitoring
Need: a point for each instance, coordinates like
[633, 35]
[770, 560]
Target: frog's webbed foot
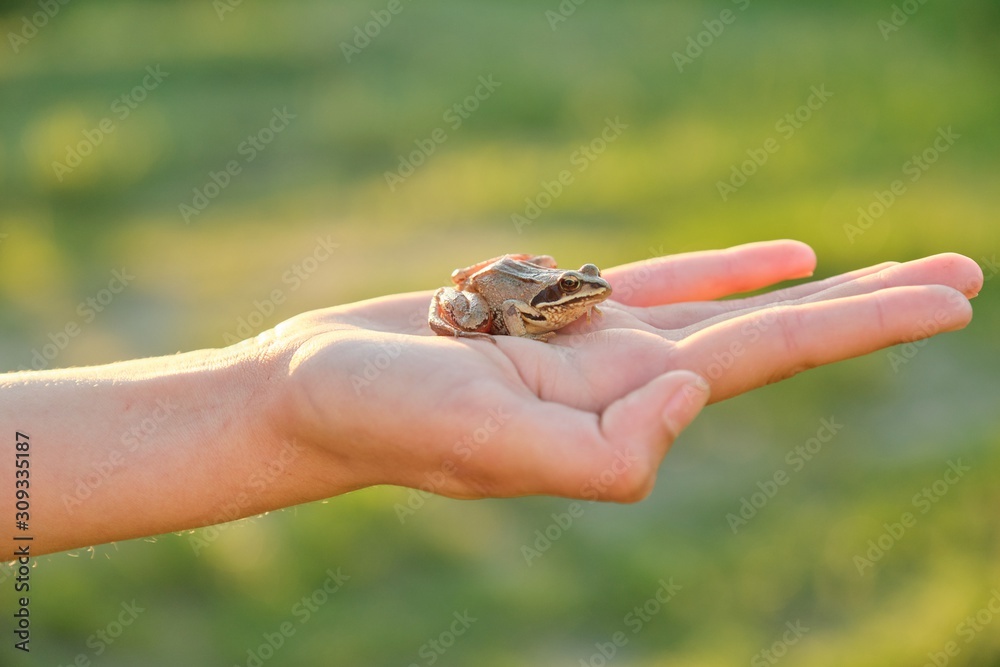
[475, 334]
[594, 311]
[443, 328]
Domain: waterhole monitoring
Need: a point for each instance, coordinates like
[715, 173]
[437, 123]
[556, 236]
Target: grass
[653, 190]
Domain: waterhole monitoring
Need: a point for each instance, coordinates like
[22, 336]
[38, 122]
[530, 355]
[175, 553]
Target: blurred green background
[225, 67]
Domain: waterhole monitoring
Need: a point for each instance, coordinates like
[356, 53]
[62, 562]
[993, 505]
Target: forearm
[146, 447]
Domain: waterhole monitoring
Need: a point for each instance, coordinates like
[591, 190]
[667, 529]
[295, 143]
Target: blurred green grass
[653, 191]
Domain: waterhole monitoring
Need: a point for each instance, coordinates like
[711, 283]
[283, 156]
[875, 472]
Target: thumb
[644, 423]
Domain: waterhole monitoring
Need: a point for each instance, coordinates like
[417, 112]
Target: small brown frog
[516, 295]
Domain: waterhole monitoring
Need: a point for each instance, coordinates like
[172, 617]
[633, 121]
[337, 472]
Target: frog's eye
[570, 283]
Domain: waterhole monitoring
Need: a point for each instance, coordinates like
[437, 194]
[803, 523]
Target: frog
[516, 295]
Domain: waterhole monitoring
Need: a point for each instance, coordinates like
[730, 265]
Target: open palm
[591, 413]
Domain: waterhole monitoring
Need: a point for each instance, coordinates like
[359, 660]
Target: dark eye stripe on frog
[555, 294]
[548, 295]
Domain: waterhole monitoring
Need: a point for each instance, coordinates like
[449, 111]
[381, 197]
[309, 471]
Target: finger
[684, 315]
[710, 274]
[769, 345]
[645, 423]
[631, 439]
[553, 449]
[948, 269]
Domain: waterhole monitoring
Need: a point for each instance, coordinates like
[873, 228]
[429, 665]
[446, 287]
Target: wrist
[297, 415]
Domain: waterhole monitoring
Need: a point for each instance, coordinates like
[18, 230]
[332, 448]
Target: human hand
[592, 413]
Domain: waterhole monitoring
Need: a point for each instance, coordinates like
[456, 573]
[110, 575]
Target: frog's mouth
[569, 308]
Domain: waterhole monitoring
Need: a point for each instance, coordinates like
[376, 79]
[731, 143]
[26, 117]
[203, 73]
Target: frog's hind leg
[453, 313]
[544, 261]
[459, 276]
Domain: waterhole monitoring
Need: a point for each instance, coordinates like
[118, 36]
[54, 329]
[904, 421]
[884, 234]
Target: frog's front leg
[464, 314]
[514, 313]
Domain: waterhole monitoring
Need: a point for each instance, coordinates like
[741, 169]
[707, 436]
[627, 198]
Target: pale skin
[590, 414]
